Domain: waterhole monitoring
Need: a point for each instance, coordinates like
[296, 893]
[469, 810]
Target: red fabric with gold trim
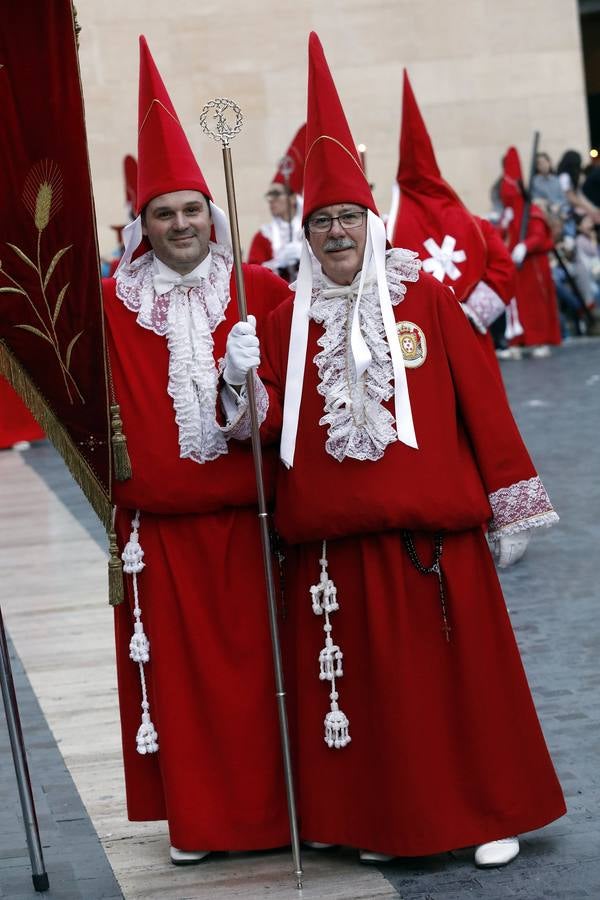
[430, 208]
[295, 153]
[165, 159]
[332, 171]
[50, 300]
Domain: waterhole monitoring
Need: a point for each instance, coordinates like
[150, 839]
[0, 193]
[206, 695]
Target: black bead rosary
[434, 569]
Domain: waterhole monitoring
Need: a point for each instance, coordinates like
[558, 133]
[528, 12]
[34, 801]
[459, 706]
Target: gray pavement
[553, 600]
[75, 861]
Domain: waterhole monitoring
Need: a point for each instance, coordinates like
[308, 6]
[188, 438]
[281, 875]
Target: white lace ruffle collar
[187, 316]
[360, 426]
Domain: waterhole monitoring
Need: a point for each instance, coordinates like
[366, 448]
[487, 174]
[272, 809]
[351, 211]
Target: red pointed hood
[294, 157]
[165, 159]
[332, 171]
[430, 210]
[511, 187]
[130, 171]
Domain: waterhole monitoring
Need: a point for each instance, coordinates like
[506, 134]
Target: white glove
[519, 252]
[242, 352]
[289, 255]
[510, 548]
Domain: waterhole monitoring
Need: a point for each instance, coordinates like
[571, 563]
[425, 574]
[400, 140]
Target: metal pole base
[41, 883]
[13, 721]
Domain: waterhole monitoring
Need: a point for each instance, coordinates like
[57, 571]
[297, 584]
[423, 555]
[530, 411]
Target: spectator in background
[569, 176]
[546, 186]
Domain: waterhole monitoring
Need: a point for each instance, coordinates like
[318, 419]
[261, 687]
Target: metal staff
[224, 132]
[13, 721]
[527, 190]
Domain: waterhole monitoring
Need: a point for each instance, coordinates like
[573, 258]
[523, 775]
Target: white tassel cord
[139, 646]
[324, 602]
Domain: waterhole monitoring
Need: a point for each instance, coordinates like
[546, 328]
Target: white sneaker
[497, 853]
[371, 858]
[541, 352]
[187, 857]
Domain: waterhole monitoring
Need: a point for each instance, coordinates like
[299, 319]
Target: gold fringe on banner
[77, 465]
[122, 463]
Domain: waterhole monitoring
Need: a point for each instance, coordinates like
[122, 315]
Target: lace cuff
[519, 507]
[484, 304]
[236, 409]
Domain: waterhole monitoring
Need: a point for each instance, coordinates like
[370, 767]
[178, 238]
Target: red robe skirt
[446, 747]
[218, 775]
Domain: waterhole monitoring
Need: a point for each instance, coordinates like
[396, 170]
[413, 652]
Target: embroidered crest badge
[412, 343]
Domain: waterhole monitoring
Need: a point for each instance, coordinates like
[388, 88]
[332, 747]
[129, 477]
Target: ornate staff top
[286, 166]
[228, 117]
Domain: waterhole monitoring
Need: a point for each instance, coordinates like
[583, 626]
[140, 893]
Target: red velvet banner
[51, 326]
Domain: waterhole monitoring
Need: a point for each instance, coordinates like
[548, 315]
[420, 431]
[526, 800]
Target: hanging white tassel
[336, 728]
[139, 645]
[324, 601]
[146, 738]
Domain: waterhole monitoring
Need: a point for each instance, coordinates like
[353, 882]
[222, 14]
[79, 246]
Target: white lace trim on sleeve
[484, 304]
[520, 506]
[238, 425]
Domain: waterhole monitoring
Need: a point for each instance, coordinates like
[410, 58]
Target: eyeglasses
[272, 195]
[322, 224]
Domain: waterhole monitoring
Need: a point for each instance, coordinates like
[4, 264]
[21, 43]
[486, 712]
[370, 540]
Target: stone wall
[486, 73]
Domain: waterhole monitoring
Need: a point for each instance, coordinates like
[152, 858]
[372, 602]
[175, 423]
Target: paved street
[92, 852]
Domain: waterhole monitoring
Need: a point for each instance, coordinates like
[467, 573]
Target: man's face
[279, 204]
[178, 228]
[339, 250]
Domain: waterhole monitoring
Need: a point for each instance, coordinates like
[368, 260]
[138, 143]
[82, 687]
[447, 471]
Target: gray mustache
[339, 244]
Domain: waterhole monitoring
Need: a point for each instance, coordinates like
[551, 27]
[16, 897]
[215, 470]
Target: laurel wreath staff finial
[228, 120]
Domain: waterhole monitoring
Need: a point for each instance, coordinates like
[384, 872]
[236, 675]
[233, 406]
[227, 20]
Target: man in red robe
[535, 293]
[277, 243]
[198, 711]
[461, 250]
[414, 725]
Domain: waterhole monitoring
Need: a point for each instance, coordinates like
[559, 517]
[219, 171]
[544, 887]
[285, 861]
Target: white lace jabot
[187, 316]
[360, 426]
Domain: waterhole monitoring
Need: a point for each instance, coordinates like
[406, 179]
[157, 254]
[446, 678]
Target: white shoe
[371, 858]
[187, 857]
[510, 353]
[541, 352]
[497, 853]
[317, 845]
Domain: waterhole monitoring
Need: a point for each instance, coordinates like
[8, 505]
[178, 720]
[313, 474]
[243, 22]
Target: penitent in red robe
[446, 748]
[16, 422]
[536, 296]
[217, 776]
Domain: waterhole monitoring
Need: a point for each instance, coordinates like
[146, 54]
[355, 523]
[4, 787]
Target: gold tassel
[119, 444]
[115, 572]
